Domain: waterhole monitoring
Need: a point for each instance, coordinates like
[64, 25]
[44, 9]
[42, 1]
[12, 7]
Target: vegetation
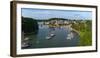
[85, 32]
[57, 19]
[29, 25]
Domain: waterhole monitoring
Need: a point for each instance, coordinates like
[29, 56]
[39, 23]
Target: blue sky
[41, 14]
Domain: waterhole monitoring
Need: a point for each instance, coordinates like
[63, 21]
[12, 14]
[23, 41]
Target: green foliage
[29, 25]
[85, 38]
[85, 32]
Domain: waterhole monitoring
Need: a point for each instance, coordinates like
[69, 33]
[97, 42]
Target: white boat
[26, 38]
[48, 37]
[70, 36]
[25, 45]
[52, 35]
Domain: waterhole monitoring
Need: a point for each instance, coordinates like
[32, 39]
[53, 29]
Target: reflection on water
[52, 37]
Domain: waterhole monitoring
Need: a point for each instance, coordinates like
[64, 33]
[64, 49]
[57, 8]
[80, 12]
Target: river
[64, 37]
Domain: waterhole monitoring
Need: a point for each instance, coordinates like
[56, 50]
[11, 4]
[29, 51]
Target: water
[59, 40]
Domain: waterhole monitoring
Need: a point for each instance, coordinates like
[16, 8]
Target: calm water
[59, 40]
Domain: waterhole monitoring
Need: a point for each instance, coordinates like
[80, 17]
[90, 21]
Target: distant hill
[58, 19]
[52, 19]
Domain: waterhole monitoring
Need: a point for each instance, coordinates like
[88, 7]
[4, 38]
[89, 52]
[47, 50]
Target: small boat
[52, 35]
[26, 38]
[70, 36]
[25, 45]
[48, 37]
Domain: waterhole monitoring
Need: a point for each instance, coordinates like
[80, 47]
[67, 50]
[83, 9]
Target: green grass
[85, 32]
[85, 38]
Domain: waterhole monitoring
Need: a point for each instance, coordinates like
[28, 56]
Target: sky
[43, 14]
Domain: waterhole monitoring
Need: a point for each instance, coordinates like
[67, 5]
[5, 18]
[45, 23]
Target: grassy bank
[85, 38]
[85, 31]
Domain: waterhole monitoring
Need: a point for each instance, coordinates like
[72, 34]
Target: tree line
[29, 25]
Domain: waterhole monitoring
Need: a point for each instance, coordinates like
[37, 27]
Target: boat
[25, 45]
[50, 37]
[70, 36]
[26, 38]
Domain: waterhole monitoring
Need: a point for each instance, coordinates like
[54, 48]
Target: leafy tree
[29, 25]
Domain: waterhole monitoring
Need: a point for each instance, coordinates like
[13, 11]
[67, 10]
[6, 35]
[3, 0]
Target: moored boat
[50, 37]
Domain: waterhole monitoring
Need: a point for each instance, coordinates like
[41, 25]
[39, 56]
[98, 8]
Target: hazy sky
[46, 14]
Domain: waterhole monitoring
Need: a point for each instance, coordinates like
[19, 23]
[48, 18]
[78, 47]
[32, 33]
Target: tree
[29, 25]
